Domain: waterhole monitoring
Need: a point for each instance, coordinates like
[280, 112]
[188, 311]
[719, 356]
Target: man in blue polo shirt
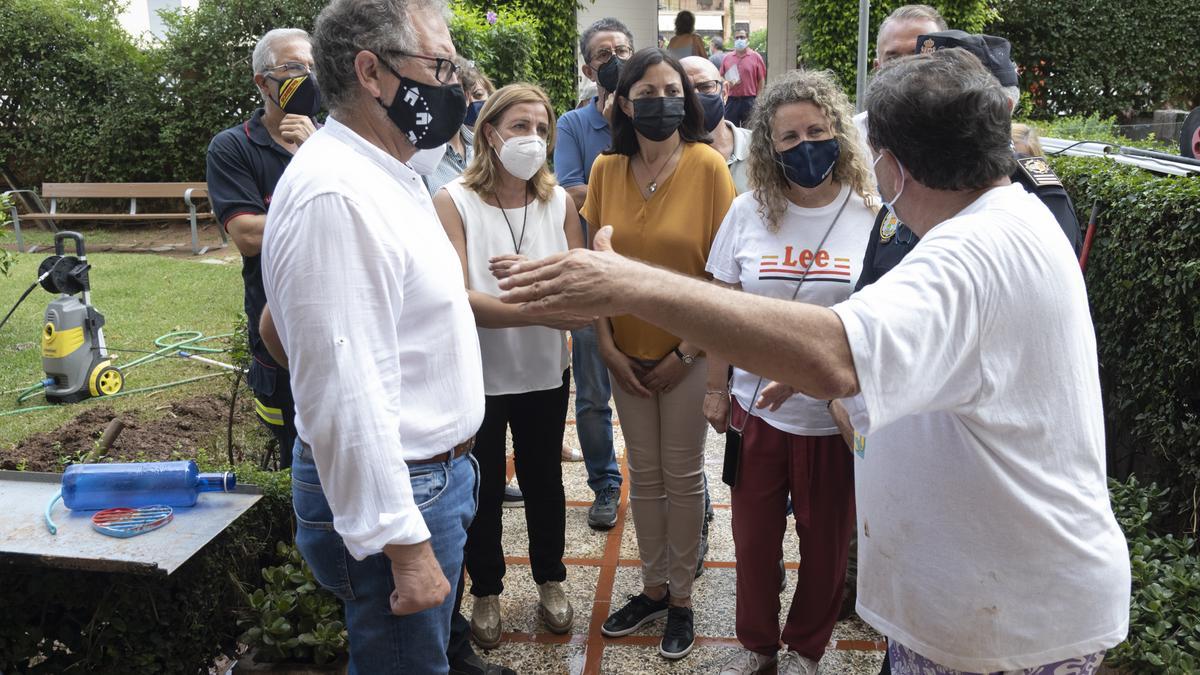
[582, 135]
[244, 164]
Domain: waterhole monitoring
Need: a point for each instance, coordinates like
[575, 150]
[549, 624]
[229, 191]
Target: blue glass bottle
[89, 487]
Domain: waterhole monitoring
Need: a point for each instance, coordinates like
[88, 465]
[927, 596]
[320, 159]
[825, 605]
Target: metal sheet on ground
[25, 539]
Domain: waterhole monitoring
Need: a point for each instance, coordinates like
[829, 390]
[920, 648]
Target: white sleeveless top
[530, 358]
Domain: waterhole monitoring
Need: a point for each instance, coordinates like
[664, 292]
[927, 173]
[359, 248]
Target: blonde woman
[799, 235]
[505, 207]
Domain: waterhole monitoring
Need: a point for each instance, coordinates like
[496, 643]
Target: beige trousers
[664, 448]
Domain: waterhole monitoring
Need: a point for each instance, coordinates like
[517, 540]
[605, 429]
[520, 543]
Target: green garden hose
[126, 392]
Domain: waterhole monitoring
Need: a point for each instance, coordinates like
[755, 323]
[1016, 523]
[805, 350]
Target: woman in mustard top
[664, 191]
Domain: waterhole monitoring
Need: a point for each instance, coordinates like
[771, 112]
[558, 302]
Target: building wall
[141, 16]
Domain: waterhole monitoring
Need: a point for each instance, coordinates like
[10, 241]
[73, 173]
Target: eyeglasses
[604, 54]
[291, 69]
[708, 87]
[444, 70]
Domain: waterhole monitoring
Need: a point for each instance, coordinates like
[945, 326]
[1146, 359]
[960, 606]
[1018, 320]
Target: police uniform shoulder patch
[1038, 170]
[887, 229]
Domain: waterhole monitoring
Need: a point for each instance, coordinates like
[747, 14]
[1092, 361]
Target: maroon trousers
[818, 472]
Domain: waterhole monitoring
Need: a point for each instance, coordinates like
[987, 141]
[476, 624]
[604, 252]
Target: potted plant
[292, 625]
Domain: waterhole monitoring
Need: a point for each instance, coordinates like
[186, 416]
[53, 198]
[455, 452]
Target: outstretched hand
[578, 281]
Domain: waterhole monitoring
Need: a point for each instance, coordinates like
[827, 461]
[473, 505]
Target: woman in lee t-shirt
[800, 234]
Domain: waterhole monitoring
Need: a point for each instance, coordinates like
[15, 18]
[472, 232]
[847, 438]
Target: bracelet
[717, 392]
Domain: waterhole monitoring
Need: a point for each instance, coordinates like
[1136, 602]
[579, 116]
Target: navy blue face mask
[714, 110]
[809, 163]
[473, 113]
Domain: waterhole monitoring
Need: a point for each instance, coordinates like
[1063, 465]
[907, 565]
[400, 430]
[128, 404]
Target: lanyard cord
[758, 387]
[524, 220]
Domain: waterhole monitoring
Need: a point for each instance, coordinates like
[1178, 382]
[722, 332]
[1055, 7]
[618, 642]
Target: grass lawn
[142, 297]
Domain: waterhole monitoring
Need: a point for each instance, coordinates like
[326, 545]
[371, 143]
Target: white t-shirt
[986, 537]
[527, 358]
[771, 263]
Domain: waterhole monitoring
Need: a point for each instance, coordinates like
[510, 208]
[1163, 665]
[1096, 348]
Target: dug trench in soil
[173, 431]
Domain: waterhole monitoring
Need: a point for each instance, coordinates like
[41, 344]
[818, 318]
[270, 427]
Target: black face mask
[809, 163]
[657, 118]
[429, 115]
[714, 110]
[298, 95]
[609, 74]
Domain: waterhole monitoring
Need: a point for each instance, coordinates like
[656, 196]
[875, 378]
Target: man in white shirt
[986, 538]
[366, 293]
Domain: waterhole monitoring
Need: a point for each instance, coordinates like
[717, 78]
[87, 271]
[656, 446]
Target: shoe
[513, 499]
[474, 665]
[554, 608]
[791, 663]
[485, 621]
[747, 662]
[603, 513]
[680, 635]
[638, 611]
[570, 454]
[703, 550]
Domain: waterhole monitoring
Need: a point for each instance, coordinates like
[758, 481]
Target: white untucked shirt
[366, 293]
[986, 538]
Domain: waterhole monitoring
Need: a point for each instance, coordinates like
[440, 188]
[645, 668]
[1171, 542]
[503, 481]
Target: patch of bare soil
[174, 431]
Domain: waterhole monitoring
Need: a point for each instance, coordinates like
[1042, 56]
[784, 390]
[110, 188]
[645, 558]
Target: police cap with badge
[1033, 173]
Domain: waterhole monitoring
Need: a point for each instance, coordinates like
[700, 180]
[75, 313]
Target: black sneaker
[680, 635]
[473, 665]
[603, 513]
[703, 550]
[513, 498]
[639, 610]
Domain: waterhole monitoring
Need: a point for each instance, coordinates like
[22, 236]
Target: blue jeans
[593, 415]
[379, 641]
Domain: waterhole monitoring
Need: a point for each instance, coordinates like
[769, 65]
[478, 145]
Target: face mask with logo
[891, 205]
[428, 114]
[809, 163]
[658, 117]
[609, 74]
[298, 95]
[425, 161]
[473, 113]
[714, 110]
[522, 156]
[740, 44]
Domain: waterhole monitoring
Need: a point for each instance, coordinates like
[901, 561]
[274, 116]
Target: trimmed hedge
[828, 31]
[1143, 279]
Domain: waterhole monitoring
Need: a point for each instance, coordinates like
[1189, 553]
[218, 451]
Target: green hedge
[1143, 279]
[828, 30]
[503, 44]
[1103, 56]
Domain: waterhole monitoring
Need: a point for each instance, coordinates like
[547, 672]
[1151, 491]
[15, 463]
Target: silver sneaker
[485, 621]
[554, 608]
[791, 663]
[747, 662]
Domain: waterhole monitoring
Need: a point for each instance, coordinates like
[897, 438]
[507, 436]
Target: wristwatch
[688, 359]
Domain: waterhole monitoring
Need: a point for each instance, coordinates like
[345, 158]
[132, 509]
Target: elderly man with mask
[245, 163]
[986, 538]
[379, 335]
[731, 141]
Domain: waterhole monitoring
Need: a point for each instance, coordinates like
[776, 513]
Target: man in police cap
[891, 240]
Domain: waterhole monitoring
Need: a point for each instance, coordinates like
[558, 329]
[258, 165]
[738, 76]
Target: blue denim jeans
[380, 642]
[593, 414]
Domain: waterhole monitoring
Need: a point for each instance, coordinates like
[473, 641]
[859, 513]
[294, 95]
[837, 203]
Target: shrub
[6, 258]
[503, 44]
[1123, 59]
[1093, 127]
[1164, 609]
[828, 31]
[1143, 278]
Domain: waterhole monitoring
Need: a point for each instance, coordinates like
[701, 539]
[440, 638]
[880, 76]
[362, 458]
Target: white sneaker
[570, 454]
[554, 608]
[791, 663]
[747, 662]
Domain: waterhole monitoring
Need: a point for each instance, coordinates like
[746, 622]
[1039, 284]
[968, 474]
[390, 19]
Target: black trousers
[538, 420]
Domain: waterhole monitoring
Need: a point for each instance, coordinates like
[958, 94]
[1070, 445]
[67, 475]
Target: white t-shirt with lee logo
[772, 263]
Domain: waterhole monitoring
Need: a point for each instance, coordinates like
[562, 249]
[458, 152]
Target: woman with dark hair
[686, 43]
[664, 191]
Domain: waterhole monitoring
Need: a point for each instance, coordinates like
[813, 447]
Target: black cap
[994, 52]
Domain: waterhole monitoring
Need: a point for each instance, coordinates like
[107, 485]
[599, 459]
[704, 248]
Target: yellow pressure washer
[74, 356]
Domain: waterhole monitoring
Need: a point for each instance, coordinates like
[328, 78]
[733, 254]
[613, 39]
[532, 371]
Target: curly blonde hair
[483, 173]
[766, 175]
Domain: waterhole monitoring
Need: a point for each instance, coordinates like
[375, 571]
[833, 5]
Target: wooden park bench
[188, 192]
